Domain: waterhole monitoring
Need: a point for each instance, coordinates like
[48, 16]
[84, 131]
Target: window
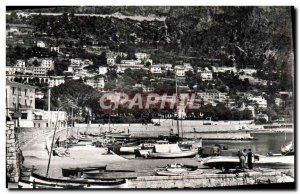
[24, 116]
[13, 90]
[25, 92]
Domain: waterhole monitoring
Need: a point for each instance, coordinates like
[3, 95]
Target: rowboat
[179, 169]
[110, 175]
[182, 154]
[222, 162]
[40, 182]
[66, 172]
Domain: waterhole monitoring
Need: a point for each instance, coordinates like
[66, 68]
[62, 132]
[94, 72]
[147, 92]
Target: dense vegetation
[247, 37]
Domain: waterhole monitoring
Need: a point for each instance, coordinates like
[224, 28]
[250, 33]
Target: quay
[209, 180]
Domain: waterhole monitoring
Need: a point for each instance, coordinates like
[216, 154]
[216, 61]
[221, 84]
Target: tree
[147, 64]
[118, 59]
[35, 63]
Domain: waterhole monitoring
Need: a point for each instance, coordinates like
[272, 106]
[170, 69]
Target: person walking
[249, 159]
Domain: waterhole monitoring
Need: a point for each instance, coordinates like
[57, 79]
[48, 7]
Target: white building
[103, 70]
[56, 81]
[262, 116]
[179, 71]
[122, 67]
[110, 61]
[262, 103]
[40, 71]
[12, 70]
[168, 67]
[131, 62]
[206, 75]
[248, 71]
[142, 56]
[188, 67]
[20, 63]
[75, 62]
[156, 69]
[278, 101]
[224, 69]
[45, 66]
[42, 118]
[47, 63]
[54, 49]
[96, 82]
[20, 103]
[41, 44]
[213, 95]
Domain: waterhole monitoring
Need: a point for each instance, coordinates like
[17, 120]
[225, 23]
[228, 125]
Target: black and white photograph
[150, 97]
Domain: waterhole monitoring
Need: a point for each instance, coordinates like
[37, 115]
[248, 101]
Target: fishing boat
[110, 175]
[178, 169]
[41, 182]
[288, 149]
[170, 151]
[222, 162]
[67, 172]
[143, 148]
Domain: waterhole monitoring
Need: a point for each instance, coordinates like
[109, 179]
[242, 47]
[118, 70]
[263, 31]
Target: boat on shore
[288, 149]
[166, 151]
[178, 169]
[144, 148]
[40, 182]
[110, 175]
[77, 171]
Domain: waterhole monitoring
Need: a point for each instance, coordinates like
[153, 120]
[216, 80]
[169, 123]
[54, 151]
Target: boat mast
[177, 121]
[49, 110]
[51, 150]
[109, 119]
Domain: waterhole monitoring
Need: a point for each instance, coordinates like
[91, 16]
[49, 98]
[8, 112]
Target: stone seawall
[13, 156]
[211, 180]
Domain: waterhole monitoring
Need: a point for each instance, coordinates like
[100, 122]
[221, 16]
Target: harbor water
[264, 143]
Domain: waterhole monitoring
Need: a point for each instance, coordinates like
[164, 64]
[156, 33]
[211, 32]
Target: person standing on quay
[249, 159]
[242, 160]
[244, 153]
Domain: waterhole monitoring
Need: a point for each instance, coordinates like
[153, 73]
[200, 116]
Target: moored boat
[170, 151]
[178, 169]
[66, 172]
[110, 175]
[40, 182]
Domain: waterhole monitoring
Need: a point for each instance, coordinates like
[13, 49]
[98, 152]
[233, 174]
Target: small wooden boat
[164, 151]
[41, 182]
[67, 172]
[222, 162]
[288, 149]
[111, 175]
[183, 154]
[178, 169]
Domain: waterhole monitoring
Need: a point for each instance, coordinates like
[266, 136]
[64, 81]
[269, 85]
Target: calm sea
[266, 142]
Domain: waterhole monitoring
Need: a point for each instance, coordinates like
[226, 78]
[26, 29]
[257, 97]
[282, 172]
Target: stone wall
[210, 180]
[12, 153]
